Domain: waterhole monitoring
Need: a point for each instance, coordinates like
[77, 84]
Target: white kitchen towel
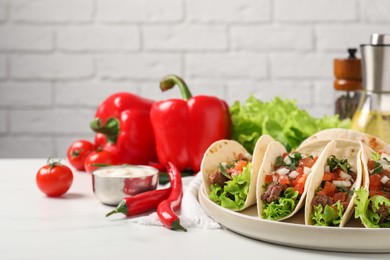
[191, 213]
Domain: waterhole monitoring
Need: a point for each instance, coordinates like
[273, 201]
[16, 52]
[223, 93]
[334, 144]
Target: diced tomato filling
[375, 182]
[300, 170]
[237, 168]
[339, 196]
[307, 162]
[377, 185]
[379, 192]
[284, 180]
[297, 181]
[300, 187]
[329, 188]
[284, 155]
[268, 179]
[328, 176]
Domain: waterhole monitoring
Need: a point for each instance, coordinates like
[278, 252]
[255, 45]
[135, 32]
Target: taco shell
[228, 151]
[373, 142]
[276, 149]
[341, 149]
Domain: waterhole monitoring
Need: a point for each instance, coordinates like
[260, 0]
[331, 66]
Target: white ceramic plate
[292, 232]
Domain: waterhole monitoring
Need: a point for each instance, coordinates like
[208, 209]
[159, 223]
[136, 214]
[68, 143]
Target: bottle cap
[376, 63]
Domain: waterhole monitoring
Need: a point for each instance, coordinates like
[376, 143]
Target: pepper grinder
[373, 113]
[347, 84]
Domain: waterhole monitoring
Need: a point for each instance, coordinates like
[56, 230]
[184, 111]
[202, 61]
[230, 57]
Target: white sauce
[129, 171]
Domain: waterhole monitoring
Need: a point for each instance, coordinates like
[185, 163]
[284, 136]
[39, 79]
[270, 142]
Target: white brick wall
[315, 10]
[3, 67]
[25, 38]
[226, 65]
[51, 11]
[229, 11]
[51, 66]
[269, 38]
[185, 37]
[145, 11]
[3, 122]
[26, 94]
[376, 10]
[60, 59]
[98, 38]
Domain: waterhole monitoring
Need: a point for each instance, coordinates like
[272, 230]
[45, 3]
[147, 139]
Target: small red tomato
[77, 153]
[98, 159]
[54, 179]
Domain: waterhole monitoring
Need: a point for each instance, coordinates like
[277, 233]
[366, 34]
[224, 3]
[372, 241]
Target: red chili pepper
[166, 208]
[123, 127]
[184, 129]
[141, 203]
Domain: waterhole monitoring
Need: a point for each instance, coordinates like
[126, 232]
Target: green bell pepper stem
[170, 81]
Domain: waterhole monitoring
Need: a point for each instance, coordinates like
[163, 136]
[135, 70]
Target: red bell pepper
[185, 128]
[123, 127]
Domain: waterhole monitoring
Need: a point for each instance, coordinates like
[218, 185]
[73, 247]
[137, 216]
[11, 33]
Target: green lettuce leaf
[234, 192]
[283, 207]
[328, 216]
[369, 216]
[279, 118]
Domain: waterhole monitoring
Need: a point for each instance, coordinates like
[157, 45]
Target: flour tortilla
[373, 142]
[365, 156]
[342, 149]
[228, 151]
[276, 149]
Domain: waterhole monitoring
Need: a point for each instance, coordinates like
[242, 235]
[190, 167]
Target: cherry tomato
[54, 179]
[77, 153]
[102, 158]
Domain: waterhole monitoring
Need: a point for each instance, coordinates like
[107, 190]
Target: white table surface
[33, 226]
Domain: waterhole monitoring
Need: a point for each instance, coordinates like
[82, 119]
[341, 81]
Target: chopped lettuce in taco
[329, 200]
[373, 200]
[229, 183]
[229, 172]
[282, 182]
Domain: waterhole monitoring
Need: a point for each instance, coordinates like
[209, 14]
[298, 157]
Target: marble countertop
[33, 226]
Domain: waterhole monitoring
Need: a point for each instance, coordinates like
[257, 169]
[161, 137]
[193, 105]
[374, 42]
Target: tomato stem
[52, 163]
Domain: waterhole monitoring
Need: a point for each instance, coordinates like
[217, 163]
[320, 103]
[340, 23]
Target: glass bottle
[348, 84]
[373, 113]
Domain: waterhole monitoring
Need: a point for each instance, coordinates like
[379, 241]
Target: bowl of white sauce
[112, 184]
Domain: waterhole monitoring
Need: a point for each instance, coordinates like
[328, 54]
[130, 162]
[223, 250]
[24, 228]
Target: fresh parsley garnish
[295, 157]
[335, 163]
[223, 171]
[278, 162]
[378, 168]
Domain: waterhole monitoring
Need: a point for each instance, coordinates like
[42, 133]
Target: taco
[338, 172]
[229, 172]
[282, 182]
[373, 199]
[373, 142]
